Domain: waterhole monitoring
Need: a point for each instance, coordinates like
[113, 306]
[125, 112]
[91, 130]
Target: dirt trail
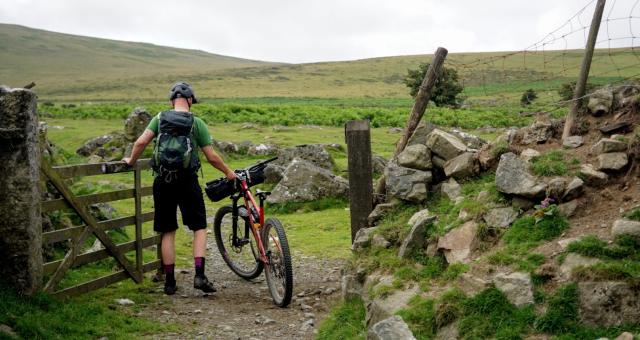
[244, 310]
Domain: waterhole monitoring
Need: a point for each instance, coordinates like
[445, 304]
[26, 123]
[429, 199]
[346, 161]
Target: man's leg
[200, 280]
[169, 260]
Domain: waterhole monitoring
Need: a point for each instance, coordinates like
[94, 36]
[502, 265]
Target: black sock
[199, 264]
[169, 277]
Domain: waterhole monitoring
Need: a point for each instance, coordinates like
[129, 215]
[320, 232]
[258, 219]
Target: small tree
[446, 90]
[528, 97]
[566, 90]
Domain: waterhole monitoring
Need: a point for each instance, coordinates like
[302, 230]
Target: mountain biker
[176, 180]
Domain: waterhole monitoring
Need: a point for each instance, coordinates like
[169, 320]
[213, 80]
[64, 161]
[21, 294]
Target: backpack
[174, 153]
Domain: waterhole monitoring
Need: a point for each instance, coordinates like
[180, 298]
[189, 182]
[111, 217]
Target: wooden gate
[79, 234]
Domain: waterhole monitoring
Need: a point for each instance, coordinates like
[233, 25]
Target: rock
[448, 332]
[471, 284]
[564, 243]
[351, 287]
[227, 147]
[608, 303]
[472, 141]
[574, 189]
[451, 189]
[378, 163]
[415, 156]
[626, 95]
[625, 336]
[445, 145]
[124, 302]
[382, 308]
[487, 156]
[568, 209]
[592, 176]
[7, 331]
[379, 241]
[517, 287]
[600, 102]
[136, 123]
[307, 325]
[521, 204]
[611, 161]
[462, 166]
[607, 145]
[407, 184]
[309, 315]
[528, 154]
[394, 130]
[421, 134]
[422, 217]
[572, 142]
[303, 182]
[391, 328]
[90, 146]
[248, 126]
[539, 132]
[458, 244]
[362, 238]
[262, 150]
[626, 227]
[500, 217]
[438, 162]
[313, 153]
[273, 173]
[573, 261]
[416, 237]
[513, 177]
[330, 290]
[556, 187]
[380, 211]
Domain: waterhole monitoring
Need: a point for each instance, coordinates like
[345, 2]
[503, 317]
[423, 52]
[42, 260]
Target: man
[176, 181]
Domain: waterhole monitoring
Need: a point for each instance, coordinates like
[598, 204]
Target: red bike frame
[255, 227]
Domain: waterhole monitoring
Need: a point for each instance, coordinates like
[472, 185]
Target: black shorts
[183, 192]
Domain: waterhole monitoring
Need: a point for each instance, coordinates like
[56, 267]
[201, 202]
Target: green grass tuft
[550, 164]
[346, 321]
[562, 312]
[525, 230]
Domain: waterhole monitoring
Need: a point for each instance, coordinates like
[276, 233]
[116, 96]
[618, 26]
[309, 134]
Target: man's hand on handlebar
[231, 175]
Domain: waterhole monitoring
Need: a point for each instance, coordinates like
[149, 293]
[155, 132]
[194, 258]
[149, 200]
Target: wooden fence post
[358, 139]
[137, 186]
[419, 106]
[581, 85]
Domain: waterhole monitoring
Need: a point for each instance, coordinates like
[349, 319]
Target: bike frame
[256, 226]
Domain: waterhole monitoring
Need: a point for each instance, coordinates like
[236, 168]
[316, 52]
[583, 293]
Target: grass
[553, 163]
[346, 321]
[90, 316]
[525, 230]
[619, 259]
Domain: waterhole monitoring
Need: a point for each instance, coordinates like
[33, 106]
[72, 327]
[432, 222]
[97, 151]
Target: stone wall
[20, 221]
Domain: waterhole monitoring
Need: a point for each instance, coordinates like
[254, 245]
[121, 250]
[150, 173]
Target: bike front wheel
[279, 270]
[241, 254]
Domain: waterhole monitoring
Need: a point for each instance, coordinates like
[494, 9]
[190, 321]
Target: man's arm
[138, 146]
[214, 159]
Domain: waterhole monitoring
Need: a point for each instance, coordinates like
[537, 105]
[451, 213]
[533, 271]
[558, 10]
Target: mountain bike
[248, 243]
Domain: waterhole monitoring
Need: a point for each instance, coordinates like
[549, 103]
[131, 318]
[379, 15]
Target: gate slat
[71, 232]
[102, 254]
[61, 203]
[103, 281]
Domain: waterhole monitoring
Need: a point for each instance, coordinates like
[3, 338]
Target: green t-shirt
[201, 136]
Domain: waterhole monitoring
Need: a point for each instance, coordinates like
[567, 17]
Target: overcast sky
[323, 30]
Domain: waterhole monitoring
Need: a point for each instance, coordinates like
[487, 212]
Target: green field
[74, 68]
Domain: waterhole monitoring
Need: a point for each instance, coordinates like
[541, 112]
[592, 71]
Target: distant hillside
[71, 68]
[57, 60]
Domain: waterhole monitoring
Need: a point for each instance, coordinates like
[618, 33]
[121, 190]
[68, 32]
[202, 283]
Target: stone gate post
[20, 222]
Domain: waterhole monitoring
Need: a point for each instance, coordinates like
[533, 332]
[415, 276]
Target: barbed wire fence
[556, 58]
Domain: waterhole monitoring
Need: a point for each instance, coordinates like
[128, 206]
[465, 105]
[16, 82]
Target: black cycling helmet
[182, 90]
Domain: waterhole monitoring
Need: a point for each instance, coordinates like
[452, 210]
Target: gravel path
[244, 310]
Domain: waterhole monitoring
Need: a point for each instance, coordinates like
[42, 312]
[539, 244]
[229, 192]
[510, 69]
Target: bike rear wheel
[242, 257]
[279, 270]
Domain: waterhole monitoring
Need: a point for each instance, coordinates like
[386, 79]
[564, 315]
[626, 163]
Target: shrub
[446, 90]
[566, 90]
[528, 97]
